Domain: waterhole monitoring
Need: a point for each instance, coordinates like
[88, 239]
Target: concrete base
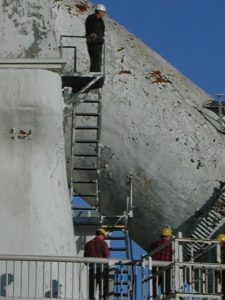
[35, 214]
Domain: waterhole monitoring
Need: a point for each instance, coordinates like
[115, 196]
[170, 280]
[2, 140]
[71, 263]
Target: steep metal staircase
[209, 223]
[85, 162]
[83, 93]
[120, 245]
[85, 175]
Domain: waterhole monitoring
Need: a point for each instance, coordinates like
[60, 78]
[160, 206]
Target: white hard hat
[100, 7]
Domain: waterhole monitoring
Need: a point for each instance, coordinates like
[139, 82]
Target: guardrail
[195, 276]
[68, 45]
[63, 277]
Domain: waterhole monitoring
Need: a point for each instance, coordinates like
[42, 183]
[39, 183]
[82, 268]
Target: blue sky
[189, 34]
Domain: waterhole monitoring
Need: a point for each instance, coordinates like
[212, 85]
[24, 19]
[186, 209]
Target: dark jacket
[97, 26]
[96, 248]
[165, 254]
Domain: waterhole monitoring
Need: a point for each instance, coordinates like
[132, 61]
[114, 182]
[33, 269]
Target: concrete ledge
[32, 63]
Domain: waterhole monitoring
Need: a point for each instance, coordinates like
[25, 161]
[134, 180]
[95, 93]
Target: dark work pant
[98, 278]
[163, 281]
[223, 285]
[95, 53]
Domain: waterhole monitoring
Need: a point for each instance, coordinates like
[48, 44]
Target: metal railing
[197, 276]
[218, 106]
[220, 98]
[67, 45]
[63, 277]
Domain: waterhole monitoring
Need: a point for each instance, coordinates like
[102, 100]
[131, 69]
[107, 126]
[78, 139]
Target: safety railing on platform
[67, 42]
[218, 106]
[63, 277]
[198, 275]
[220, 98]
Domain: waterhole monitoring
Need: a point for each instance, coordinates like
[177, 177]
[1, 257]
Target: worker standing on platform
[98, 274]
[95, 31]
[163, 254]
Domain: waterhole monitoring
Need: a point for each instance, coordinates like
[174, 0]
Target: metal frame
[29, 277]
[197, 277]
[62, 46]
[220, 111]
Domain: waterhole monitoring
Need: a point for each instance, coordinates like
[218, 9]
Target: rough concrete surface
[154, 124]
[35, 206]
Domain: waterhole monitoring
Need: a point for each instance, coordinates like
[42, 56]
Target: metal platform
[79, 81]
[86, 217]
[214, 105]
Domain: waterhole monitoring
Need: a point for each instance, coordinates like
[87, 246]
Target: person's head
[100, 10]
[101, 233]
[221, 238]
[166, 233]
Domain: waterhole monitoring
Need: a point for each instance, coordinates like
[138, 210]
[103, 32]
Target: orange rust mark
[120, 49]
[82, 7]
[157, 77]
[124, 72]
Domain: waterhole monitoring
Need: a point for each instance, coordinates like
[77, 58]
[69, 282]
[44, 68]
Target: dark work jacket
[95, 25]
[96, 248]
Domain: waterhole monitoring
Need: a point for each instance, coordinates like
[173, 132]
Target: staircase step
[204, 230]
[85, 168]
[84, 208]
[122, 283]
[216, 216]
[86, 141]
[116, 238]
[196, 234]
[87, 127]
[84, 195]
[86, 182]
[121, 295]
[114, 227]
[118, 249]
[85, 155]
[85, 114]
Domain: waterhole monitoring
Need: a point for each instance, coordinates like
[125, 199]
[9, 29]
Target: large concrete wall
[35, 214]
[154, 124]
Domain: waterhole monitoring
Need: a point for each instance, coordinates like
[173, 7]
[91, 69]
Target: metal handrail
[66, 259]
[201, 274]
[31, 276]
[75, 50]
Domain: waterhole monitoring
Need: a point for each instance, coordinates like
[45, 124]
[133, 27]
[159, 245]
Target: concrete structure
[154, 124]
[35, 206]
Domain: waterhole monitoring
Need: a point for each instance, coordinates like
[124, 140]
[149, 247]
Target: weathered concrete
[35, 214]
[154, 125]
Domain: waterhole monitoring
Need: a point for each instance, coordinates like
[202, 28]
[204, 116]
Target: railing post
[103, 59]
[219, 97]
[150, 273]
[219, 272]
[220, 108]
[60, 46]
[176, 267]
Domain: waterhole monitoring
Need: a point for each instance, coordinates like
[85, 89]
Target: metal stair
[86, 124]
[121, 247]
[210, 222]
[214, 219]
